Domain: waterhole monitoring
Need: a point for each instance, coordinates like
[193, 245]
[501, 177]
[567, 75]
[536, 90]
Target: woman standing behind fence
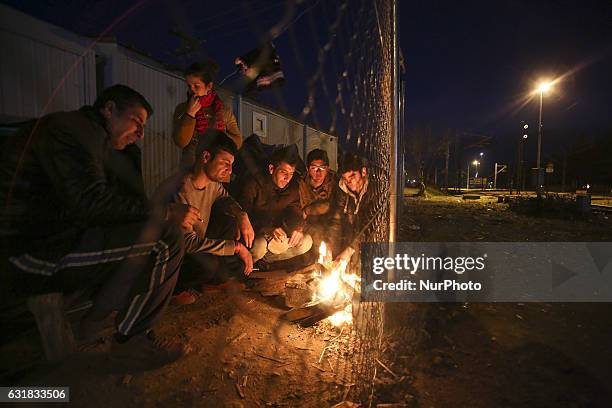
[203, 110]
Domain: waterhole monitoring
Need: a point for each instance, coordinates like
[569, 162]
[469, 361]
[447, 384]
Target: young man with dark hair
[274, 207]
[351, 207]
[315, 193]
[74, 211]
[212, 245]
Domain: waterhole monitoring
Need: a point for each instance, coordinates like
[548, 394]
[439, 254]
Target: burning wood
[326, 292]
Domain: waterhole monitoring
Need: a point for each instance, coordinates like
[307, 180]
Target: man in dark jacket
[273, 206]
[351, 208]
[74, 211]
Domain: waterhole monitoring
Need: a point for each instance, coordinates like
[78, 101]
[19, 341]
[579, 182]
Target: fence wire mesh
[353, 85]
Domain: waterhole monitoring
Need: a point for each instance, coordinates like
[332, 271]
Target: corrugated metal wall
[164, 90]
[283, 130]
[160, 156]
[43, 68]
[320, 140]
[40, 58]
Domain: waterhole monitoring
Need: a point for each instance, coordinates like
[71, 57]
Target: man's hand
[194, 105]
[296, 238]
[246, 257]
[279, 234]
[183, 215]
[345, 254]
[246, 229]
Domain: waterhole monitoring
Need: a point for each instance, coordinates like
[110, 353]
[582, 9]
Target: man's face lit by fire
[354, 180]
[218, 168]
[124, 126]
[317, 170]
[281, 174]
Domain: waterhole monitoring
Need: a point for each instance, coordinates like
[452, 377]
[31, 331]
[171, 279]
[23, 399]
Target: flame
[322, 252]
[342, 317]
[329, 286]
[337, 287]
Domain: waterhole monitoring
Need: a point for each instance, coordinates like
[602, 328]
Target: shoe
[184, 298]
[147, 351]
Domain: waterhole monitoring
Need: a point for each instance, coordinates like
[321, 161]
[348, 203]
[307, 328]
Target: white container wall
[275, 128]
[43, 68]
[320, 140]
[164, 90]
[47, 69]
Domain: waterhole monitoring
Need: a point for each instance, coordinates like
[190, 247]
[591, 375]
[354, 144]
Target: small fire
[337, 287]
[324, 254]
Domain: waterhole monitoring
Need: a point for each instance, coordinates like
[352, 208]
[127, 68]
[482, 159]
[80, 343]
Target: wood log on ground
[298, 290]
[280, 273]
[311, 313]
[266, 285]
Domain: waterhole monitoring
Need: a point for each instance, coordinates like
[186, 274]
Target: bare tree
[424, 148]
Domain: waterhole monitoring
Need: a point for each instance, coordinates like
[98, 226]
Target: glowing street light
[544, 86]
[475, 163]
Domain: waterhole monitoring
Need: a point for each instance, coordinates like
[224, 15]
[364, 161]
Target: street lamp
[478, 170]
[542, 88]
[475, 163]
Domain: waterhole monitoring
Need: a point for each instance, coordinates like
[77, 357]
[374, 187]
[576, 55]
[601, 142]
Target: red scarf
[212, 108]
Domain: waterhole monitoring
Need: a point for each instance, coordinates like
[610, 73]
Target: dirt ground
[432, 355]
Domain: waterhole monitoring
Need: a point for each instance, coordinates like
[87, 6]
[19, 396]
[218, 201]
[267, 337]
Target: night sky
[470, 65]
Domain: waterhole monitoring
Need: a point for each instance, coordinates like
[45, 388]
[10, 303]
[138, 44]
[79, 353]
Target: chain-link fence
[355, 81]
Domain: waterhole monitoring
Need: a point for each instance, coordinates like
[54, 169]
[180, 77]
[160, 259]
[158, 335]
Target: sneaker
[148, 351]
[184, 298]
